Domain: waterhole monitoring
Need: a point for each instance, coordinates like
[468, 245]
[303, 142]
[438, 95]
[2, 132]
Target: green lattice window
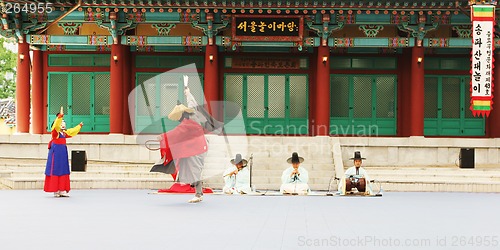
[363, 104]
[58, 93]
[298, 102]
[363, 63]
[84, 96]
[270, 104]
[255, 93]
[446, 107]
[79, 60]
[156, 95]
[453, 63]
[171, 62]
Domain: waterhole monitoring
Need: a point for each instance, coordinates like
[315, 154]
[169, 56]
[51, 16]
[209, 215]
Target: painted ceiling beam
[69, 40]
[260, 4]
[164, 40]
[175, 17]
[356, 42]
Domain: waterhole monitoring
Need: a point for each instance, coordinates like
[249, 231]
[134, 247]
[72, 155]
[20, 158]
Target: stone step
[275, 173]
[436, 174]
[432, 169]
[96, 167]
[262, 184]
[265, 176]
[2, 186]
[96, 174]
[423, 178]
[405, 187]
[208, 165]
[276, 187]
[273, 160]
[28, 174]
[91, 183]
[441, 187]
[271, 180]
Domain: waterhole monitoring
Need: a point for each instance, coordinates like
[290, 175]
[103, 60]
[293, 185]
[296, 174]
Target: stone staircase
[266, 175]
[269, 160]
[29, 174]
[439, 179]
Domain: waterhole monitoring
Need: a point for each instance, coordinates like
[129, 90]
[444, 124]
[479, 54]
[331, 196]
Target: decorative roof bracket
[62, 16]
[324, 30]
[34, 26]
[5, 23]
[19, 27]
[5, 31]
[371, 30]
[163, 28]
[463, 31]
[419, 30]
[210, 29]
[115, 28]
[69, 28]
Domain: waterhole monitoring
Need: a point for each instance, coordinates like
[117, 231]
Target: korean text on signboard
[267, 28]
[482, 58]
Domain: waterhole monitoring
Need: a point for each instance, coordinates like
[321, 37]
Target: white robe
[295, 184]
[361, 174]
[237, 184]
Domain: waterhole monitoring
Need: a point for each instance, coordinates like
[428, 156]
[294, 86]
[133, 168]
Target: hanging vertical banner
[483, 21]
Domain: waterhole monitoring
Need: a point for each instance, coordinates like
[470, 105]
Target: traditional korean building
[7, 116]
[364, 67]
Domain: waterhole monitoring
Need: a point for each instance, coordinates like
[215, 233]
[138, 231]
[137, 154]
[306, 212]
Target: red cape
[183, 188]
[185, 140]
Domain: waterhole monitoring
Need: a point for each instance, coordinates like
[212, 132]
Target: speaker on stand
[78, 161]
[466, 158]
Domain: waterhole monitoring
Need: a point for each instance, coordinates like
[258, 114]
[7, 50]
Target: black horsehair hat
[238, 159]
[357, 156]
[295, 158]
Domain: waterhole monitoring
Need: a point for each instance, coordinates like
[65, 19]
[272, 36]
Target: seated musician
[294, 179]
[355, 177]
[237, 177]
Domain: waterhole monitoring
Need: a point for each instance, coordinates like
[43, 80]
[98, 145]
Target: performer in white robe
[237, 177]
[356, 177]
[294, 179]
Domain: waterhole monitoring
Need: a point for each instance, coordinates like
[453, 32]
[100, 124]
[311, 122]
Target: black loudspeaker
[78, 161]
[467, 158]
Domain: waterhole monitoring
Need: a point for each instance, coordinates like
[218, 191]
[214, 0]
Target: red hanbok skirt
[56, 183]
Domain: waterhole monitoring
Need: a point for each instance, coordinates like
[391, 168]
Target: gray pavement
[134, 219]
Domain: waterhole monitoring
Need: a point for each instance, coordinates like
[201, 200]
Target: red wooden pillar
[37, 93]
[116, 90]
[23, 88]
[127, 87]
[322, 112]
[312, 93]
[404, 82]
[493, 121]
[211, 84]
[417, 92]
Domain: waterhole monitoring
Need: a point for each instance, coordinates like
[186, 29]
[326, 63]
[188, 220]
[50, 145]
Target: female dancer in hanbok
[57, 168]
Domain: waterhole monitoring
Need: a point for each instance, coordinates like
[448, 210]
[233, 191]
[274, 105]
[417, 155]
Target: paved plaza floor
[135, 219]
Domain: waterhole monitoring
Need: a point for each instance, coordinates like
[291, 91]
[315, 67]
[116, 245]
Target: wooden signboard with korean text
[267, 28]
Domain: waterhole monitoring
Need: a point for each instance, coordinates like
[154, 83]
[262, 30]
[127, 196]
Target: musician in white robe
[294, 179]
[355, 177]
[237, 177]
